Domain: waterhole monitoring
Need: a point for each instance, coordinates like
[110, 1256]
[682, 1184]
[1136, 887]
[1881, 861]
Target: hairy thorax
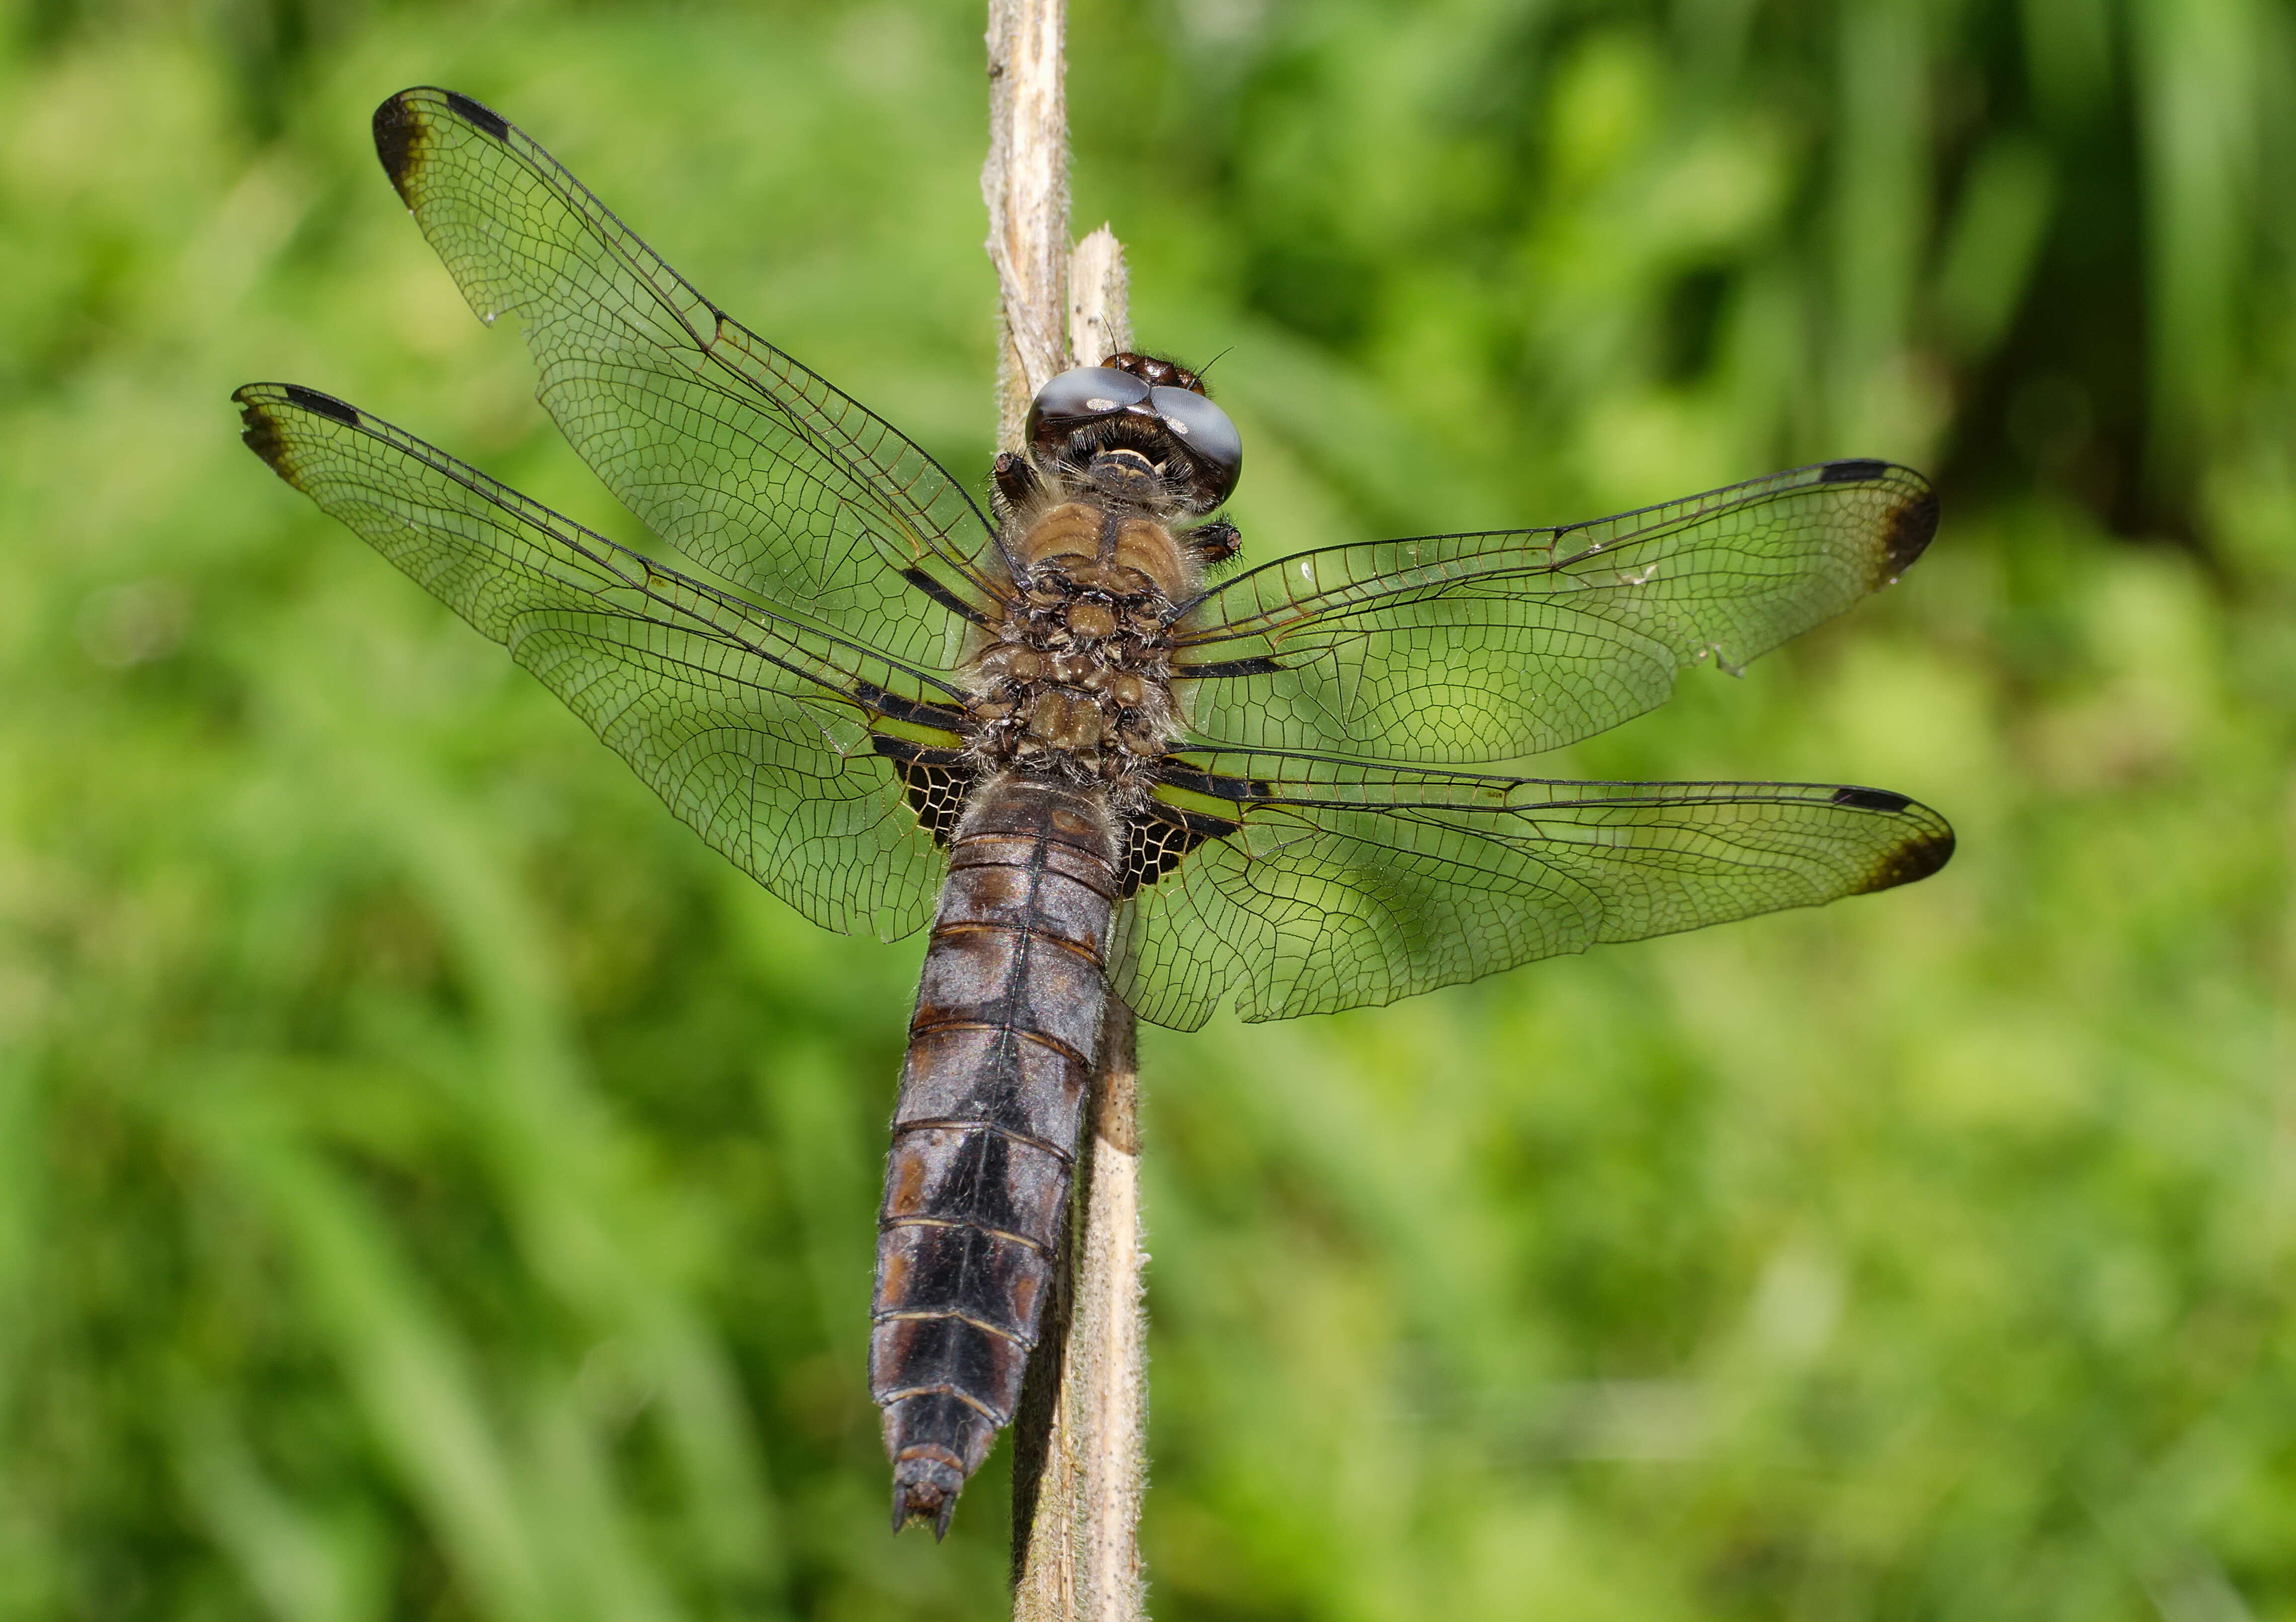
[1076, 681]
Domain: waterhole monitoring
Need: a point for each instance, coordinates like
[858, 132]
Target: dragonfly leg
[1216, 542]
[1017, 481]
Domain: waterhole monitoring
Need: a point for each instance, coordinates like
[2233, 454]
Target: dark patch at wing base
[935, 780]
[1157, 840]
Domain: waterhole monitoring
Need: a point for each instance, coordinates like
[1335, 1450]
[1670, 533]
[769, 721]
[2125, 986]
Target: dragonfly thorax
[1075, 681]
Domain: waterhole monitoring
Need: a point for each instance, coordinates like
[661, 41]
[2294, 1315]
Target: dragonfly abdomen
[1000, 1050]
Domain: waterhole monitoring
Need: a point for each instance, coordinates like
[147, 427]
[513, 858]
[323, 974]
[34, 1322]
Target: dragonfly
[1056, 721]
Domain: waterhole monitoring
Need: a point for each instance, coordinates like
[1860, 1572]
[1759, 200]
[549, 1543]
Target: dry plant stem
[1080, 1468]
[1099, 323]
[1025, 184]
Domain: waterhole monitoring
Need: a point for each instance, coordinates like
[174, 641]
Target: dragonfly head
[1136, 417]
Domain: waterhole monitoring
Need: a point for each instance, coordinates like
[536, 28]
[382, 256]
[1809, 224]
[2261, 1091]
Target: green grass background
[432, 1185]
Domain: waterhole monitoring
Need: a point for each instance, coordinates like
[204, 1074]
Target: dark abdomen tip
[936, 1440]
[926, 1490]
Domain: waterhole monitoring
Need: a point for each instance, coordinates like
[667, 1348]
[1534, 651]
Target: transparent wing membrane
[1458, 649]
[782, 744]
[732, 452]
[1342, 884]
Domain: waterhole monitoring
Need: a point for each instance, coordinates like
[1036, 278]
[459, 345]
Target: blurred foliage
[432, 1185]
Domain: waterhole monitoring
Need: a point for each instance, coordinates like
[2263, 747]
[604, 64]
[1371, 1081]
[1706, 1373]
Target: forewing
[1335, 885]
[732, 452]
[1453, 649]
[792, 751]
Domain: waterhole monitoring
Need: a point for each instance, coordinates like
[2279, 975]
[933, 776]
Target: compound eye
[1081, 396]
[1207, 433]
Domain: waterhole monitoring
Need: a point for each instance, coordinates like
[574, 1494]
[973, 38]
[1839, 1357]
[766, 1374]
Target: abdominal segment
[1002, 1048]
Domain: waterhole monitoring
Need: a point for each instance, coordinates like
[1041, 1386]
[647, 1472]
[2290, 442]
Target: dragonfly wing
[816, 764]
[1308, 886]
[1458, 649]
[732, 452]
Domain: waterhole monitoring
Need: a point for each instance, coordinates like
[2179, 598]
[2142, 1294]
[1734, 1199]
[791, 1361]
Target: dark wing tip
[397, 134]
[1925, 847]
[1917, 858]
[1909, 526]
[1912, 525]
[260, 429]
[399, 128]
